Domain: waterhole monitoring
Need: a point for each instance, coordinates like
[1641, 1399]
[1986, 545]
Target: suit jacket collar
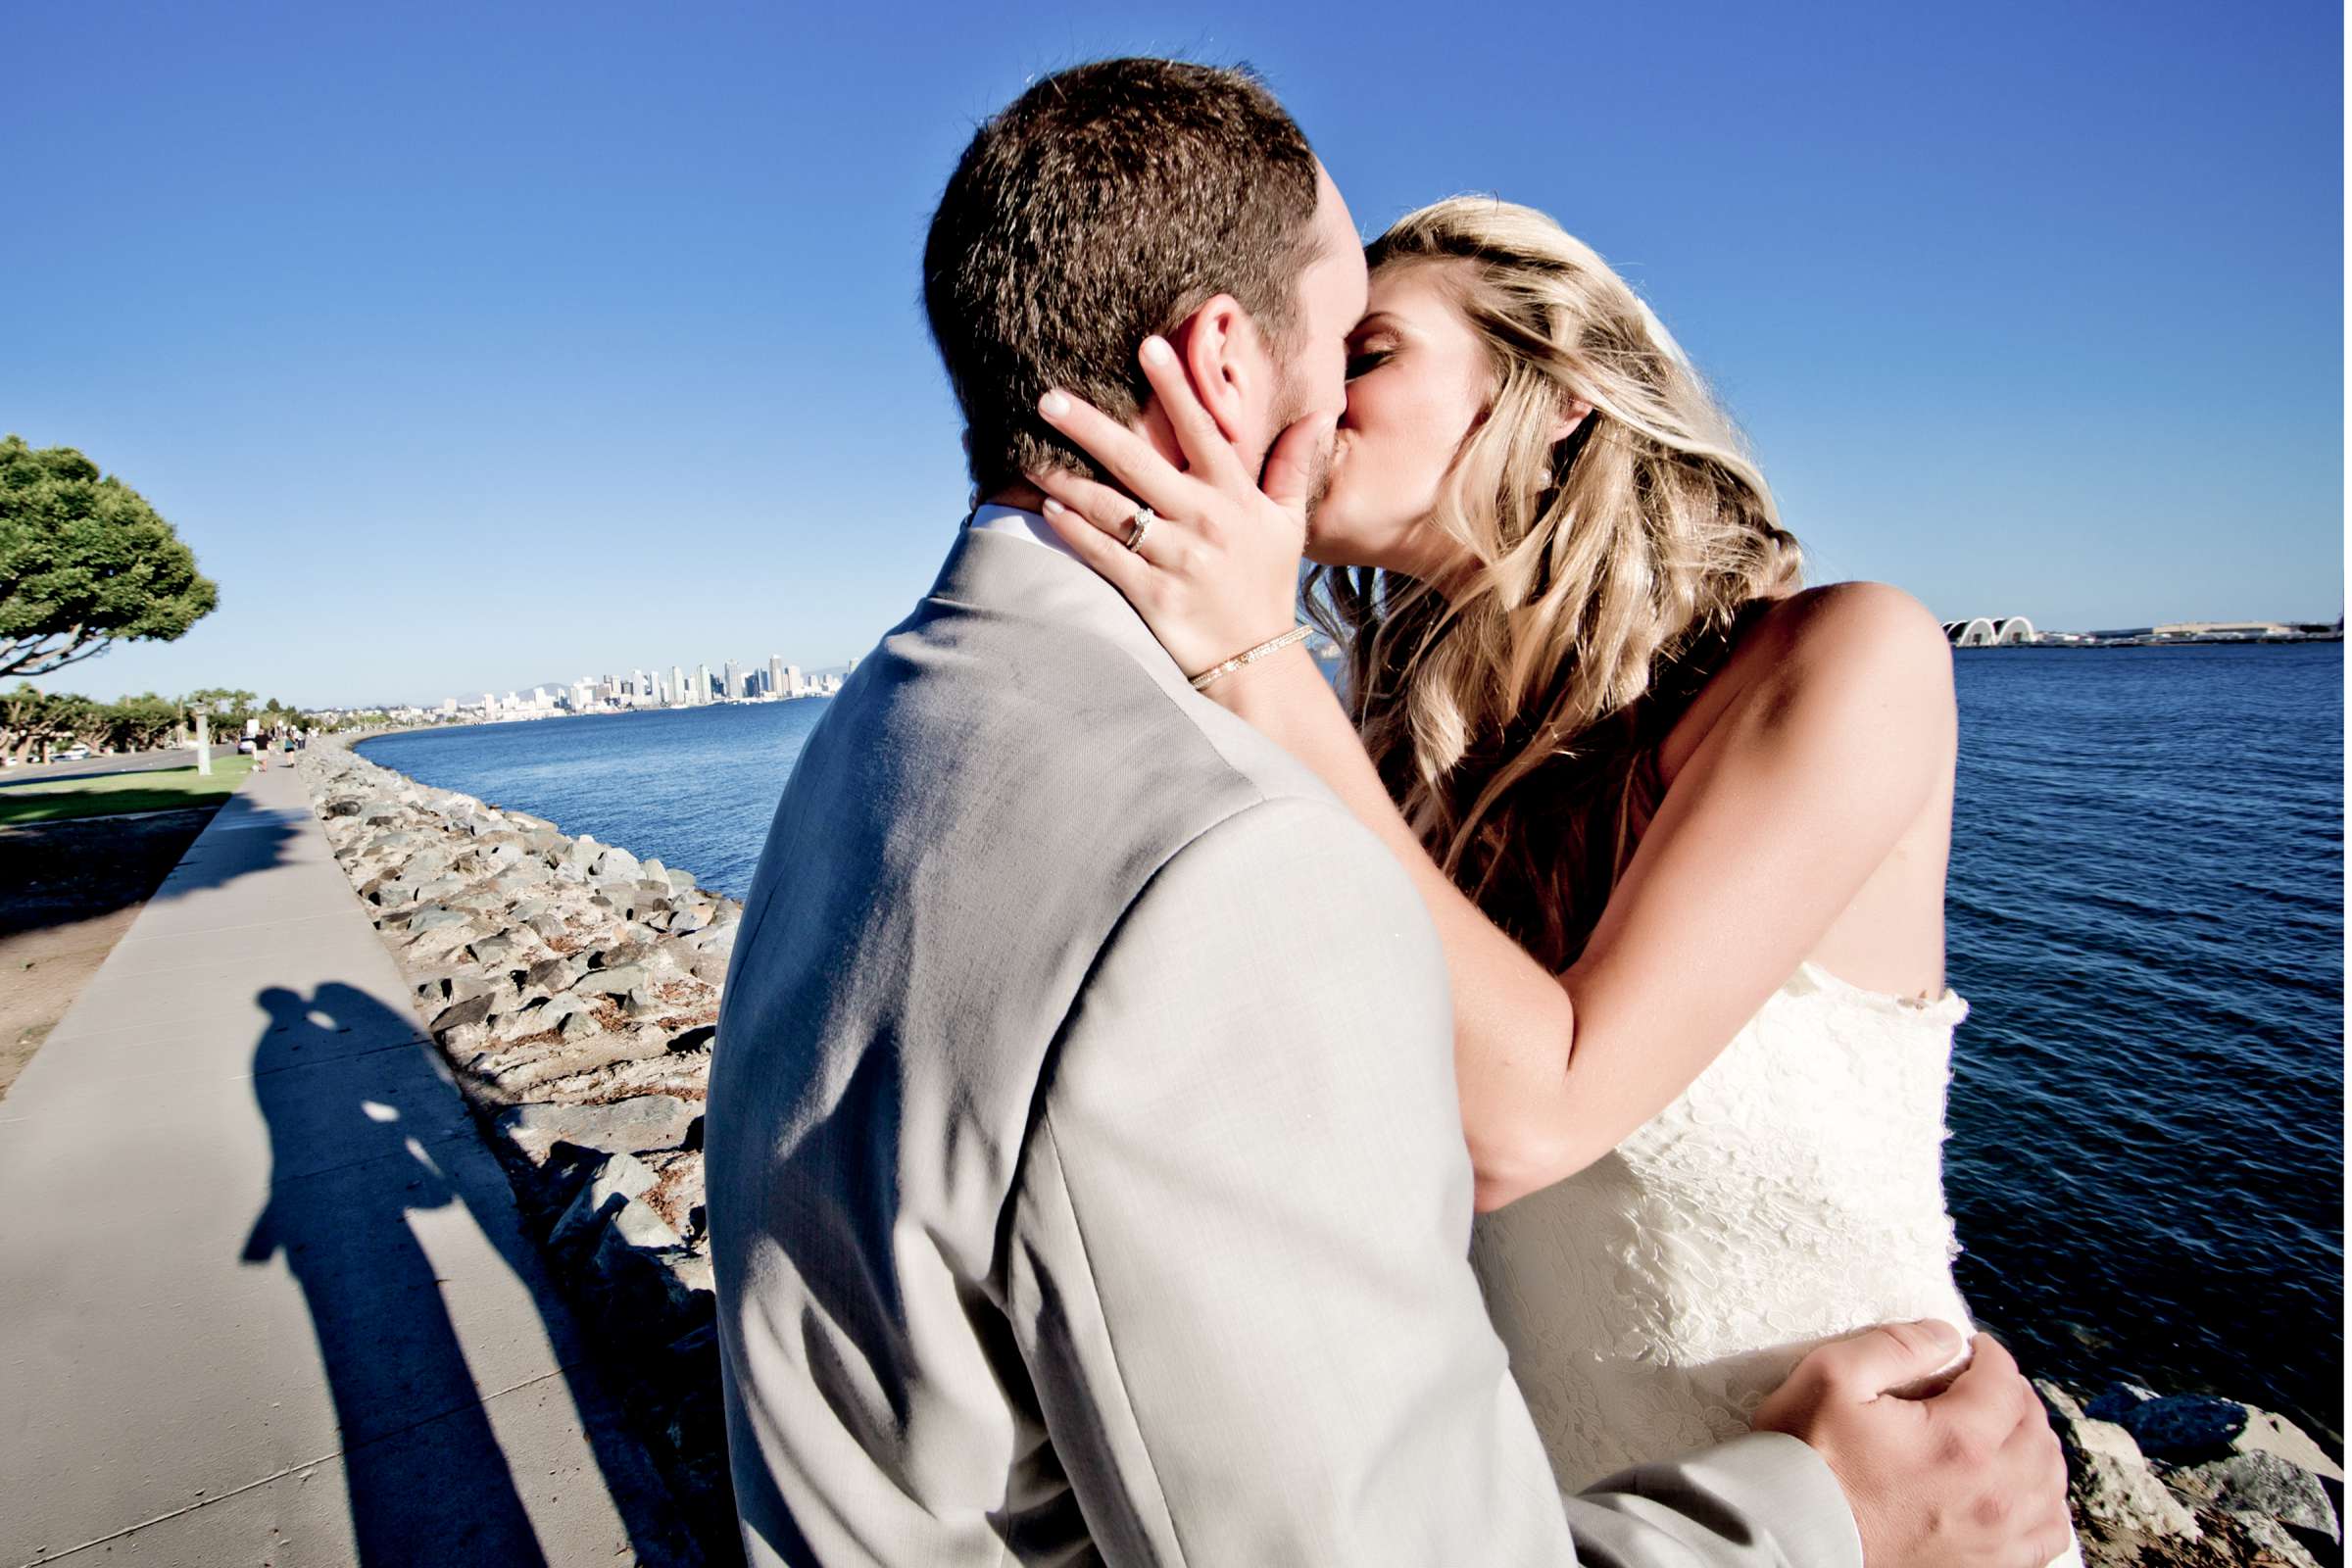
[1005, 575]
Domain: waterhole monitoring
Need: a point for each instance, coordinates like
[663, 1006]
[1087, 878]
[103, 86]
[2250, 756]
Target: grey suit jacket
[1085, 1177]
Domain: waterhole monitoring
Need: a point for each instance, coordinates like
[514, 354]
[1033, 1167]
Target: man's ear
[1225, 355]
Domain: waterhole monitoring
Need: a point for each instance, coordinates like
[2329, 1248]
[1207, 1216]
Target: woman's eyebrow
[1373, 318]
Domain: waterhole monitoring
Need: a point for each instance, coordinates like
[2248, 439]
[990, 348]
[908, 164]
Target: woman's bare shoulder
[1843, 621]
[1865, 652]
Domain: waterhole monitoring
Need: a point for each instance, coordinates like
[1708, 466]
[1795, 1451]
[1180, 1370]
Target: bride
[1681, 823]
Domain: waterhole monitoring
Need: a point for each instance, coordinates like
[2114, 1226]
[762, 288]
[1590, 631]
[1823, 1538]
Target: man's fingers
[2032, 1464]
[1130, 459]
[1206, 452]
[1887, 1357]
[1983, 1405]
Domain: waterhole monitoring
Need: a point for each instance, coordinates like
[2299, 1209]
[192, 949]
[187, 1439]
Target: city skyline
[459, 368]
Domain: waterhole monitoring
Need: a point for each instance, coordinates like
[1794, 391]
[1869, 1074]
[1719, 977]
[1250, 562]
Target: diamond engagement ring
[1138, 525]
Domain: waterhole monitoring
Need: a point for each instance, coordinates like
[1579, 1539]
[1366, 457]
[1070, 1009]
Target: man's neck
[1019, 497]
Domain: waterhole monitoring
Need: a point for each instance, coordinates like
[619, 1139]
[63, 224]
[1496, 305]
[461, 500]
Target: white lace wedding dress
[1792, 1194]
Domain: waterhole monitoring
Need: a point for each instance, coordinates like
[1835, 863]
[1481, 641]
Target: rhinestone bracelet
[1218, 672]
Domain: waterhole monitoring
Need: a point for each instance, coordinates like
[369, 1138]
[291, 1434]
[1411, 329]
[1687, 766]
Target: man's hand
[1971, 1477]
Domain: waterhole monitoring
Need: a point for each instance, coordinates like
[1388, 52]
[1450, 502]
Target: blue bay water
[2146, 908]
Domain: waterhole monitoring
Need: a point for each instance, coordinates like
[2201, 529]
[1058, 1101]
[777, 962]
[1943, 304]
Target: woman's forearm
[1514, 1024]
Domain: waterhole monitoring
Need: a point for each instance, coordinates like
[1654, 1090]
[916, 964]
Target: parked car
[72, 754]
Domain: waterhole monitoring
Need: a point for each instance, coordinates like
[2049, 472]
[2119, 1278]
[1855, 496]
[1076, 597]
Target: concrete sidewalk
[264, 1296]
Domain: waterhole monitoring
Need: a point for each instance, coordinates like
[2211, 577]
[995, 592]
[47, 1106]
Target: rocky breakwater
[573, 990]
[2187, 1479]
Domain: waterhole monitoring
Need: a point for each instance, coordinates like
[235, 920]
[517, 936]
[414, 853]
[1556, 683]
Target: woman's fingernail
[1156, 351]
[1054, 508]
[1052, 405]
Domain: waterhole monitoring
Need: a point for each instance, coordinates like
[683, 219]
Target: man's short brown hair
[1107, 203]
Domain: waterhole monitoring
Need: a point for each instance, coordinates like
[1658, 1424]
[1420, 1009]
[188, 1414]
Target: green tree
[84, 562]
[21, 711]
[33, 722]
[142, 722]
[228, 708]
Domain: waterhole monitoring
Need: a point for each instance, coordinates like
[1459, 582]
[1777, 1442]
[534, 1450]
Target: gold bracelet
[1275, 645]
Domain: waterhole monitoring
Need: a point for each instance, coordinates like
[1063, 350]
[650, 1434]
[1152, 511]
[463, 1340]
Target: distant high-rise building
[701, 683]
[734, 679]
[794, 686]
[775, 675]
[677, 684]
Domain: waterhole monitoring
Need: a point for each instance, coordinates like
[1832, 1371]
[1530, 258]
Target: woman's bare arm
[1799, 792]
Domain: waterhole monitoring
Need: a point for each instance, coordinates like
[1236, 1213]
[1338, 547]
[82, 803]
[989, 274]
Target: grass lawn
[159, 790]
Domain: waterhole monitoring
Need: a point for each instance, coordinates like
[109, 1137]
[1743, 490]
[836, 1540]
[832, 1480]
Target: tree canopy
[84, 562]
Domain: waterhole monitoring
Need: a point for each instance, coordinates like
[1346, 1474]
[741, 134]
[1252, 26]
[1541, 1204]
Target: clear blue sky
[473, 346]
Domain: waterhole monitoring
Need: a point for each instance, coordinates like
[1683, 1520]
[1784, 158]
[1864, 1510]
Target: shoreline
[573, 990]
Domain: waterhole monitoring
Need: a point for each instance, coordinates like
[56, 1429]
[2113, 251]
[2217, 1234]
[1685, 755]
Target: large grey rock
[433, 991]
[512, 879]
[549, 976]
[2115, 1493]
[716, 940]
[2260, 1485]
[629, 1126]
[494, 950]
[642, 1275]
[621, 980]
[589, 1052]
[441, 938]
[2274, 1434]
[473, 1009]
[2183, 1425]
[2280, 1548]
[426, 863]
[634, 949]
[616, 1179]
[537, 1016]
[680, 881]
[615, 864]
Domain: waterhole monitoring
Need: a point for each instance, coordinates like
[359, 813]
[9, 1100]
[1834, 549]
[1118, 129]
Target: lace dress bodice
[1792, 1194]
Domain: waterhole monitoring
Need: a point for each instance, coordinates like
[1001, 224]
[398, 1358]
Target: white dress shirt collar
[1029, 525]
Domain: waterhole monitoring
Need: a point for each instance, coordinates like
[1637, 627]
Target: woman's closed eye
[1362, 360]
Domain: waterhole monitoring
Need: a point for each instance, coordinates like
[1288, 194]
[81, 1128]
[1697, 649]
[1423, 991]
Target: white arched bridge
[1990, 631]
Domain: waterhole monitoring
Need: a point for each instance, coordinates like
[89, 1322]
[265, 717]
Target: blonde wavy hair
[1516, 714]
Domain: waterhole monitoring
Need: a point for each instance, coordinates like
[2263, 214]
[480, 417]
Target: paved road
[100, 767]
[265, 1292]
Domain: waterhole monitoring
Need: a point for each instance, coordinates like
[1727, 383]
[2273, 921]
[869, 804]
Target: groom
[1086, 1178]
